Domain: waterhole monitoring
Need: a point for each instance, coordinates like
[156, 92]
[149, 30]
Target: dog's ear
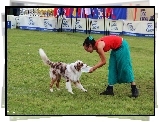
[79, 65]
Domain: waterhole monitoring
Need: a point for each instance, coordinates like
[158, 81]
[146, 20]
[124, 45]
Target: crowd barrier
[99, 26]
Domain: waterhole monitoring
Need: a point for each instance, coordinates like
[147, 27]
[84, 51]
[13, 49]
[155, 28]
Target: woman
[120, 67]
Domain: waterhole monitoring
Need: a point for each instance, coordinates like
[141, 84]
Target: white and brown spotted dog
[70, 72]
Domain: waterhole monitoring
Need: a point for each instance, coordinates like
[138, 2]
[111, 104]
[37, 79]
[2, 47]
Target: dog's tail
[44, 57]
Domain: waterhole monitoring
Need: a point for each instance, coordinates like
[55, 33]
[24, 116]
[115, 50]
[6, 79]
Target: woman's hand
[91, 70]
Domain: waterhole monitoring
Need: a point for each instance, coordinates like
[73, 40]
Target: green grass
[28, 78]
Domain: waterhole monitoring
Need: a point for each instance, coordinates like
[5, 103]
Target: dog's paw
[51, 90]
[58, 89]
[71, 92]
[85, 90]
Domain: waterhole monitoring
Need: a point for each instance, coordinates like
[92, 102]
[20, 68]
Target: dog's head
[78, 65]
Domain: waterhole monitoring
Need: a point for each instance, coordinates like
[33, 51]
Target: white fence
[117, 27]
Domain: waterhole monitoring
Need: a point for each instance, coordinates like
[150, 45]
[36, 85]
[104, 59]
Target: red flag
[55, 12]
[67, 12]
[79, 12]
[135, 14]
[108, 12]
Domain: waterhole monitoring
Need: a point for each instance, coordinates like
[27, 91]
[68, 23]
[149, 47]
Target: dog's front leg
[79, 86]
[68, 86]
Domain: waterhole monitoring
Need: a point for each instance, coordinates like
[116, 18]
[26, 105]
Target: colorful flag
[55, 12]
[67, 12]
[58, 12]
[79, 13]
[119, 13]
[108, 12]
[113, 15]
[88, 13]
[74, 12]
[100, 13]
[70, 13]
[95, 13]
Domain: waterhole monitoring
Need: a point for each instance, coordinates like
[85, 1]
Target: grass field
[28, 78]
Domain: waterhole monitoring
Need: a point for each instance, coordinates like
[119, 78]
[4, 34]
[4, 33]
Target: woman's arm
[101, 53]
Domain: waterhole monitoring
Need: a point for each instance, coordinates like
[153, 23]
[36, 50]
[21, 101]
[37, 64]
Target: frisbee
[86, 69]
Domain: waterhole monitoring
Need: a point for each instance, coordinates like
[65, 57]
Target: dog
[70, 72]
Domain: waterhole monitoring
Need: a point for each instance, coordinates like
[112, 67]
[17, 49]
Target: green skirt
[120, 65]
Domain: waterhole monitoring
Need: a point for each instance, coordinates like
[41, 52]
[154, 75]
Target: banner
[9, 24]
[66, 24]
[42, 26]
[23, 22]
[143, 16]
[97, 26]
[12, 20]
[147, 28]
[47, 24]
[132, 28]
[116, 27]
[80, 25]
[17, 21]
[50, 24]
[33, 23]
